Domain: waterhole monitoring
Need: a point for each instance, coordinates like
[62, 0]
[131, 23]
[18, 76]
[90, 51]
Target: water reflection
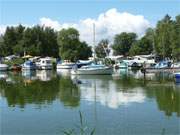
[124, 88]
[44, 75]
[102, 89]
[3, 75]
[69, 93]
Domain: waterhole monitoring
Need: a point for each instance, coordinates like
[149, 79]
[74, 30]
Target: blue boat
[177, 77]
[28, 65]
[163, 64]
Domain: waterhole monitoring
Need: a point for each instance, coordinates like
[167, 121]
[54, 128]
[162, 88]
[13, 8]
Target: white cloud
[50, 23]
[107, 25]
[2, 29]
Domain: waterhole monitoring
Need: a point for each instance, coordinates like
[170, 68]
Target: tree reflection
[162, 90]
[37, 92]
[168, 99]
[69, 93]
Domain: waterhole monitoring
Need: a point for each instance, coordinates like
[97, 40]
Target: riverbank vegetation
[163, 40]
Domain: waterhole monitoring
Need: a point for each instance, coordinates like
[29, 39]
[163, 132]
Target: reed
[81, 129]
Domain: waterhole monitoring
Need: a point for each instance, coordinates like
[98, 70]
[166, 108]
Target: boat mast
[94, 41]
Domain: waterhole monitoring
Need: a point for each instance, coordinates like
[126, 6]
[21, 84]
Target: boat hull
[177, 77]
[44, 67]
[3, 67]
[154, 70]
[64, 66]
[28, 68]
[105, 71]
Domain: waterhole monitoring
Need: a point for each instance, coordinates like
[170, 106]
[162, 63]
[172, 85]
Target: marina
[53, 100]
[91, 67]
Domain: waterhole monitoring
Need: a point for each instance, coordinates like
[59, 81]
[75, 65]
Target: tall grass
[81, 129]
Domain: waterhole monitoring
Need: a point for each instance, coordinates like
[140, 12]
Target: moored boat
[65, 65]
[163, 66]
[175, 65]
[92, 69]
[28, 65]
[3, 67]
[44, 63]
[177, 77]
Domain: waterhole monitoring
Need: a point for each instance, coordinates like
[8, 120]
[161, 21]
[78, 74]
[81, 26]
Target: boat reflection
[3, 75]
[29, 75]
[44, 75]
[64, 72]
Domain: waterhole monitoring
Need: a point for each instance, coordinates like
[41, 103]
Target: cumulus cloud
[107, 25]
[50, 23]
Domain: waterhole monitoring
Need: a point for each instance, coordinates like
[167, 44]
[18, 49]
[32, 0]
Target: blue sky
[29, 11]
[110, 16]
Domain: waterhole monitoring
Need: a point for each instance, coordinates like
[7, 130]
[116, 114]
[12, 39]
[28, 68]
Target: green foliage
[175, 39]
[102, 49]
[38, 40]
[123, 42]
[70, 46]
[163, 33]
[69, 92]
[142, 47]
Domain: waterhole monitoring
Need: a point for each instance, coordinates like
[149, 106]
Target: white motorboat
[175, 65]
[44, 63]
[139, 61]
[3, 67]
[65, 65]
[92, 69]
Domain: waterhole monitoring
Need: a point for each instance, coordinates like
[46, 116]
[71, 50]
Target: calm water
[46, 102]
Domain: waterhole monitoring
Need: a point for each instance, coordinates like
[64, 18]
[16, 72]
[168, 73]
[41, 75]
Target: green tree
[175, 39]
[10, 40]
[37, 40]
[102, 49]
[142, 47]
[40, 41]
[123, 42]
[162, 38]
[71, 47]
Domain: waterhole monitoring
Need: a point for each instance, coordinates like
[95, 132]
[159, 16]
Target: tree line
[163, 41]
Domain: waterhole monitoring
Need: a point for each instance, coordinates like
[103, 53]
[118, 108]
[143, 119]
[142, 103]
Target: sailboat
[93, 68]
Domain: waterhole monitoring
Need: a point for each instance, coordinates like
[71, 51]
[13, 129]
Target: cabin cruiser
[44, 63]
[138, 61]
[66, 64]
[3, 67]
[28, 65]
[92, 69]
